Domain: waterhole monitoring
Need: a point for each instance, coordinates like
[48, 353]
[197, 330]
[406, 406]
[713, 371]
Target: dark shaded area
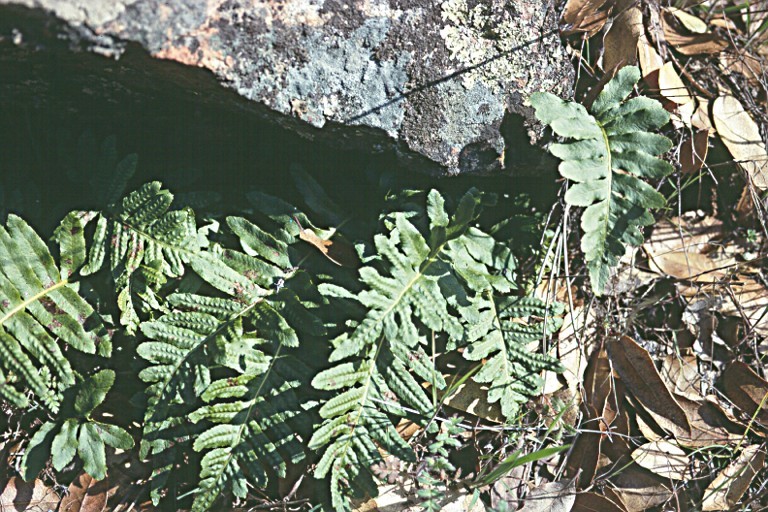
[188, 131]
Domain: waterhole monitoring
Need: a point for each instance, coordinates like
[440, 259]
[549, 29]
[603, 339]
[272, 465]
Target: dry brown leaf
[86, 495]
[690, 44]
[663, 458]
[729, 486]
[676, 248]
[701, 119]
[18, 495]
[682, 376]
[741, 135]
[747, 390]
[650, 431]
[592, 502]
[340, 253]
[681, 103]
[572, 338]
[620, 43]
[693, 151]
[709, 425]
[650, 61]
[586, 16]
[689, 21]
[472, 398]
[747, 299]
[746, 65]
[724, 22]
[551, 497]
[638, 373]
[639, 489]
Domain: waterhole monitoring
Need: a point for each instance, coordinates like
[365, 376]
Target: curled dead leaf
[18, 495]
[620, 42]
[593, 502]
[587, 16]
[709, 425]
[337, 251]
[689, 21]
[639, 489]
[86, 495]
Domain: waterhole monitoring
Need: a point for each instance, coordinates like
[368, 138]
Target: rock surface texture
[432, 80]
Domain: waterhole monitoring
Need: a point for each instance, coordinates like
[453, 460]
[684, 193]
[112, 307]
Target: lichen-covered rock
[433, 80]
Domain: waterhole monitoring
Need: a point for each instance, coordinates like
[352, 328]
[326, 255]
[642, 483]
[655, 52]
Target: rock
[437, 82]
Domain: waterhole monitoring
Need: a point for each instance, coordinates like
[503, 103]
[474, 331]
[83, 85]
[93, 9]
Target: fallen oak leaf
[551, 497]
[741, 135]
[747, 390]
[638, 373]
[694, 44]
[729, 486]
[663, 458]
[620, 42]
[693, 152]
[709, 425]
[19, 495]
[689, 21]
[593, 502]
[586, 16]
[85, 494]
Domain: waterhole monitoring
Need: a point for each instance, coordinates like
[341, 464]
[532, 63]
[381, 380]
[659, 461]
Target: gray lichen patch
[431, 80]
[492, 41]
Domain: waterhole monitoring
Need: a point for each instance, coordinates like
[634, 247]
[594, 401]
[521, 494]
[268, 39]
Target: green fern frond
[141, 233]
[241, 420]
[502, 330]
[77, 433]
[415, 286]
[612, 152]
[39, 307]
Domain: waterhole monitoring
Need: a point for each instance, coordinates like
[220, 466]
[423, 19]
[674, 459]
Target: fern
[502, 330]
[140, 232]
[75, 432]
[613, 149]
[246, 336]
[420, 285]
[39, 307]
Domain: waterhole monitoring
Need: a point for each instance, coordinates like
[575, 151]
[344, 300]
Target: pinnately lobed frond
[503, 330]
[612, 152]
[221, 367]
[416, 286]
[140, 232]
[39, 309]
